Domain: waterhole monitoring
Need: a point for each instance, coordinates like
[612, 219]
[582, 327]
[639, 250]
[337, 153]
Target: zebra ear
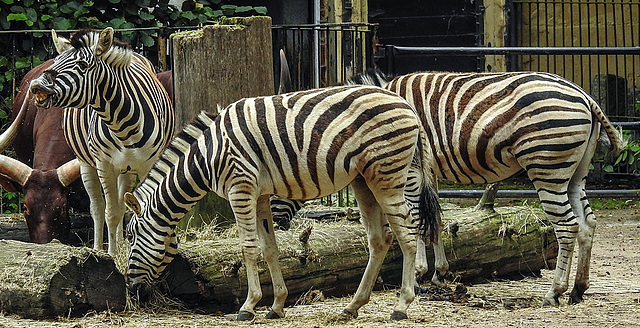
[61, 43]
[132, 203]
[104, 41]
[285, 76]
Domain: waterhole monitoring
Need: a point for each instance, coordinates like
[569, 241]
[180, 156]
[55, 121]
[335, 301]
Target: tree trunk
[215, 66]
[38, 281]
[331, 257]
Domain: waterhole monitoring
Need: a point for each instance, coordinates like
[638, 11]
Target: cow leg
[97, 205]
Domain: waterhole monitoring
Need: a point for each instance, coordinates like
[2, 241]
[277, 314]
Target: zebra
[300, 145]
[486, 127]
[119, 118]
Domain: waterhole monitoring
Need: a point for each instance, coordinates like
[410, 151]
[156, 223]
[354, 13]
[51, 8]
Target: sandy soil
[613, 300]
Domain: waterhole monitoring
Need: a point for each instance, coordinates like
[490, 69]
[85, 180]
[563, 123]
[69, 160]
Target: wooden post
[218, 65]
[494, 34]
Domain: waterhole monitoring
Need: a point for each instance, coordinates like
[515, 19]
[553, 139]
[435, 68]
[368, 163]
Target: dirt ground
[613, 300]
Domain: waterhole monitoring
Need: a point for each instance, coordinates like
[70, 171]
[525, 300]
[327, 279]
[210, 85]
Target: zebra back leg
[586, 221]
[96, 203]
[379, 240]
[243, 203]
[404, 225]
[270, 251]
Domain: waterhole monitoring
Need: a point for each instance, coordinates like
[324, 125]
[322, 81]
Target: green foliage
[28, 22]
[630, 155]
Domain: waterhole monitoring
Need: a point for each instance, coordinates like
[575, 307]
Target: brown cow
[40, 144]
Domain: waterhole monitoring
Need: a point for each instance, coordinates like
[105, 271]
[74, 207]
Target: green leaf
[60, 23]
[45, 18]
[146, 16]
[147, 40]
[243, 9]
[261, 10]
[17, 17]
[607, 169]
[8, 2]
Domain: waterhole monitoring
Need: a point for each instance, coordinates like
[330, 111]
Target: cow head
[46, 217]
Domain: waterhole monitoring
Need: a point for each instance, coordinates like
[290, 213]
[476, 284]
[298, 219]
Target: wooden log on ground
[39, 281]
[332, 256]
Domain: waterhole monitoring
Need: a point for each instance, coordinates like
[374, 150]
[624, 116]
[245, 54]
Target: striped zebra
[302, 146]
[119, 118]
[486, 127]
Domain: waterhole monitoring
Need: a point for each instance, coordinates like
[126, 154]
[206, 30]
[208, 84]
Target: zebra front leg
[270, 251]
[379, 239]
[441, 264]
[97, 205]
[114, 212]
[422, 264]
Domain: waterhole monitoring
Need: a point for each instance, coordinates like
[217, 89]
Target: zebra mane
[118, 55]
[178, 147]
[370, 77]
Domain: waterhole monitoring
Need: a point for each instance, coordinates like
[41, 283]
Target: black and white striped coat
[300, 145]
[485, 127]
[119, 119]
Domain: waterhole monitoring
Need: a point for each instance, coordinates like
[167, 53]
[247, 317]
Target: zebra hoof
[273, 315]
[397, 315]
[245, 316]
[350, 314]
[550, 301]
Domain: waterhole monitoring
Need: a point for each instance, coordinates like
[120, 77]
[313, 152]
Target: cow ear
[61, 43]
[132, 203]
[104, 41]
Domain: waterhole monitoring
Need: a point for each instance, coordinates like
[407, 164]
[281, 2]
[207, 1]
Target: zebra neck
[127, 100]
[181, 177]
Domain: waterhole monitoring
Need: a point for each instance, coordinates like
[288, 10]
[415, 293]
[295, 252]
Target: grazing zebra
[120, 119]
[301, 145]
[486, 127]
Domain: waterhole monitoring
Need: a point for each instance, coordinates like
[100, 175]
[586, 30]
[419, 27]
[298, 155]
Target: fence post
[495, 29]
[217, 65]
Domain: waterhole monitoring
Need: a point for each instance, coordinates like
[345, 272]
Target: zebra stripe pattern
[120, 118]
[300, 146]
[484, 128]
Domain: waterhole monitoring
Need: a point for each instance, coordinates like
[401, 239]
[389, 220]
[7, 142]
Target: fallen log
[331, 257]
[47, 280]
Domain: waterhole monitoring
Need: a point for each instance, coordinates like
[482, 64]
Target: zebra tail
[615, 137]
[429, 205]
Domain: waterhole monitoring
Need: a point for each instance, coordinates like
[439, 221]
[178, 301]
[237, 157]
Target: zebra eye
[83, 65]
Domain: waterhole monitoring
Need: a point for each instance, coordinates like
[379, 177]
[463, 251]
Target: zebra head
[78, 71]
[152, 247]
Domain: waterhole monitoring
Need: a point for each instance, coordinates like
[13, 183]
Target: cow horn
[14, 169]
[69, 172]
[7, 136]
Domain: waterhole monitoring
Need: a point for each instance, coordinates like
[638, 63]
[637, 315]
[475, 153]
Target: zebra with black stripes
[300, 145]
[486, 127]
[119, 118]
